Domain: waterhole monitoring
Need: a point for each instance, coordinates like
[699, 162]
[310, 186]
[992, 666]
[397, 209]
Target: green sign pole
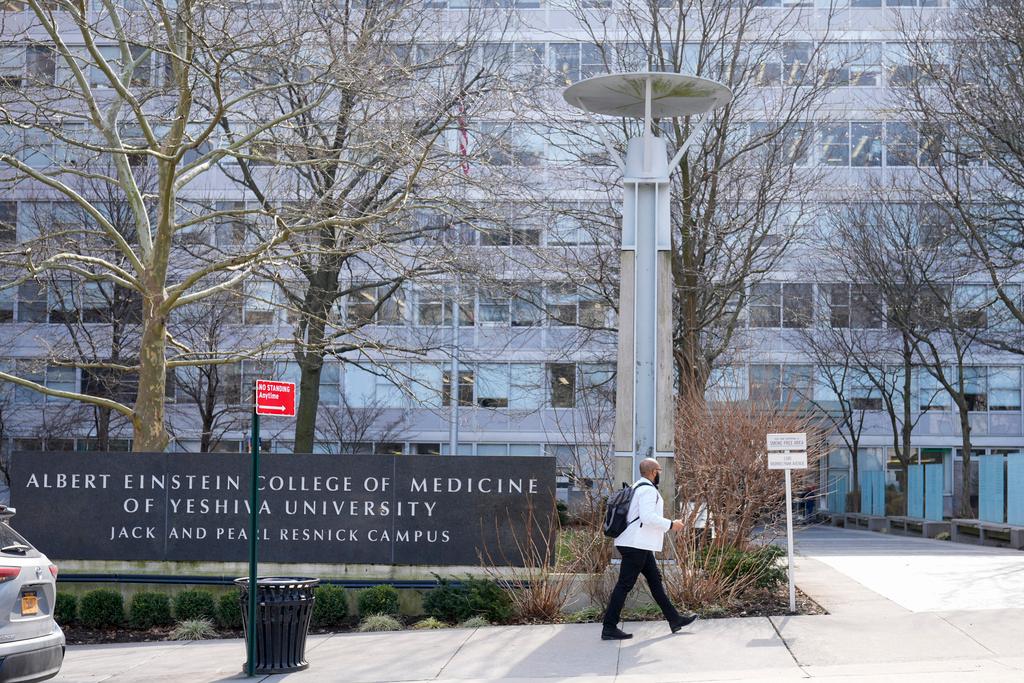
[254, 528]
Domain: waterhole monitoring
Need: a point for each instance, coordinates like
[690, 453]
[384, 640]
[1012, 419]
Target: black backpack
[617, 513]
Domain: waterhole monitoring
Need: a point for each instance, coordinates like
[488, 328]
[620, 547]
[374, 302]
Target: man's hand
[677, 525]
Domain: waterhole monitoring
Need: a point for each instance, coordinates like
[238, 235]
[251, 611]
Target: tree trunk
[907, 428]
[103, 429]
[310, 357]
[855, 488]
[966, 509]
[148, 416]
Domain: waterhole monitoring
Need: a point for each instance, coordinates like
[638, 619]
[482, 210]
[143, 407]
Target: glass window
[795, 59]
[360, 386]
[330, 383]
[561, 304]
[525, 449]
[494, 308]
[1003, 388]
[865, 64]
[798, 307]
[901, 71]
[97, 298]
[766, 305]
[563, 230]
[839, 304]
[866, 139]
[61, 379]
[564, 62]
[388, 392]
[834, 144]
[395, 304]
[7, 305]
[597, 383]
[426, 385]
[975, 389]
[900, 144]
[40, 66]
[765, 381]
[592, 61]
[562, 378]
[259, 303]
[32, 302]
[8, 223]
[429, 307]
[862, 392]
[865, 307]
[492, 449]
[797, 383]
[33, 371]
[931, 394]
[971, 303]
[727, 384]
[528, 307]
[492, 385]
[594, 311]
[465, 388]
[527, 386]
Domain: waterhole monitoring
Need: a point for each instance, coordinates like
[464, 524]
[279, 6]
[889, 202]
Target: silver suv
[31, 642]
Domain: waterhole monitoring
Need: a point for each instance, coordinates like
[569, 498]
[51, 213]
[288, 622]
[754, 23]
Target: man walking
[637, 545]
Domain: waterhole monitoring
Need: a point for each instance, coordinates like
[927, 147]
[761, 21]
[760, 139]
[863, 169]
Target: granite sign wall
[314, 508]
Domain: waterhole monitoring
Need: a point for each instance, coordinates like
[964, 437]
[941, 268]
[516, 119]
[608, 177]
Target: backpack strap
[645, 482]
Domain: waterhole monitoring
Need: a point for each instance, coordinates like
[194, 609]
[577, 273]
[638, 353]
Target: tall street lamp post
[644, 383]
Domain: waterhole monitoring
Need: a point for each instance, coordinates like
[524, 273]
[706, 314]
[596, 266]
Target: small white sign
[787, 460]
[796, 441]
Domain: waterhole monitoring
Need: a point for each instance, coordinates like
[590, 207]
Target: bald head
[649, 467]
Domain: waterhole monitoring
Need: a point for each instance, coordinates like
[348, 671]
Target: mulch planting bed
[765, 605]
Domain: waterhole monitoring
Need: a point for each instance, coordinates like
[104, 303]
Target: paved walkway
[882, 626]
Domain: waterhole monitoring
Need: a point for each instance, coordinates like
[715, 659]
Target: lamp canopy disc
[624, 94]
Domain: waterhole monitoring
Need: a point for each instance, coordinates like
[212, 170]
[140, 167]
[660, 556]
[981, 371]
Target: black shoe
[615, 634]
[683, 621]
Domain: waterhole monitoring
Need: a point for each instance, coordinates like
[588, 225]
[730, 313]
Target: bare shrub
[730, 502]
[538, 590]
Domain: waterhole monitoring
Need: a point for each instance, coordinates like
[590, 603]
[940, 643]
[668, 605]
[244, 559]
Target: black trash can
[284, 606]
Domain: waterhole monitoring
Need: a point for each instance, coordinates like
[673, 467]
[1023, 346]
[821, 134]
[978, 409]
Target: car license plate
[29, 604]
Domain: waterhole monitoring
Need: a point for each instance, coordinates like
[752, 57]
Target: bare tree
[962, 81]
[373, 152]
[909, 253]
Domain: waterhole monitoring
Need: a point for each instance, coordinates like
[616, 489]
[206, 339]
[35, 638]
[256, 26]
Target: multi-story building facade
[517, 357]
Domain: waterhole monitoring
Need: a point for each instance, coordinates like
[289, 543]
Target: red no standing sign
[275, 398]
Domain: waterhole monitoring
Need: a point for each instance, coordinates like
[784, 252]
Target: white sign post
[788, 452]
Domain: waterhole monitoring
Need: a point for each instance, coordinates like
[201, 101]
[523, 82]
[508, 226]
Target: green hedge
[194, 604]
[229, 609]
[472, 598]
[381, 599]
[65, 611]
[147, 610]
[101, 608]
[330, 606]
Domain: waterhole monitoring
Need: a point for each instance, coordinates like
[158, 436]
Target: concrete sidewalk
[866, 636]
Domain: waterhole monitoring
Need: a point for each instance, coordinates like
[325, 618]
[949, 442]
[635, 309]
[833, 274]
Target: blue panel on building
[1015, 489]
[915, 491]
[934, 487]
[865, 492]
[990, 488]
[837, 489]
[878, 493]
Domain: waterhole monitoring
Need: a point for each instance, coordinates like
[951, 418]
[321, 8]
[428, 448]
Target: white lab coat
[648, 531]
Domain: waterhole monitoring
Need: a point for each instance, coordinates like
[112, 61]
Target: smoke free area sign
[351, 509]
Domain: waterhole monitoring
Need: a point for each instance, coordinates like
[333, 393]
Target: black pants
[634, 563]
